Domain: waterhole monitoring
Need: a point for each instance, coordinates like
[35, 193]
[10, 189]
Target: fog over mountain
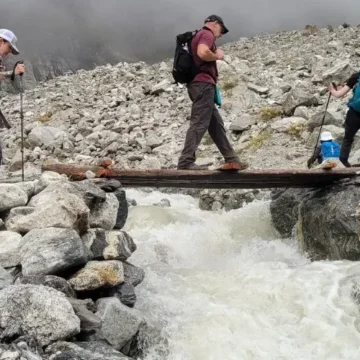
[72, 34]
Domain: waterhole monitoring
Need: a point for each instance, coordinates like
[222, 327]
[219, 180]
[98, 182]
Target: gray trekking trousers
[204, 116]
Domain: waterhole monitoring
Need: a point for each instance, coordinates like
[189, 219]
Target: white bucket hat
[326, 136]
[10, 37]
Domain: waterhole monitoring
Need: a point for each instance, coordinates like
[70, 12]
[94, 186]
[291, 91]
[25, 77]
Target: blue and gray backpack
[354, 102]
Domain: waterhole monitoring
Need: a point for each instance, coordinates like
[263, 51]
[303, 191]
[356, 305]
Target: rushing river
[223, 286]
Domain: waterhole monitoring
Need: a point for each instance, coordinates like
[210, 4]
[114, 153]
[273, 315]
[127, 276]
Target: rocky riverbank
[67, 286]
[274, 89]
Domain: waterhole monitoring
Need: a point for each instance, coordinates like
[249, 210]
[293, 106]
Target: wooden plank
[207, 179]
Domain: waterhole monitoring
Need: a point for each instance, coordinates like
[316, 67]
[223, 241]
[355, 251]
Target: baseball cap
[10, 37]
[219, 20]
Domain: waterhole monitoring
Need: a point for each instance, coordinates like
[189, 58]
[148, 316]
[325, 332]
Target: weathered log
[208, 179]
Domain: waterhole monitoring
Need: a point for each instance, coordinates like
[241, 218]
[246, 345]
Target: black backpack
[184, 68]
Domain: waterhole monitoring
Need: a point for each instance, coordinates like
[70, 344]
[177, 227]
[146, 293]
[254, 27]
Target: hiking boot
[234, 166]
[345, 162]
[193, 167]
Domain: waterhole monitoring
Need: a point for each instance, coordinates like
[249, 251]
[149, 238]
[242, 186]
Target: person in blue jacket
[329, 149]
[352, 121]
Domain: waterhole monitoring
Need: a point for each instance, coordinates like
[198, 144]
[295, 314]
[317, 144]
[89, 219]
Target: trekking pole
[323, 120]
[21, 116]
[22, 125]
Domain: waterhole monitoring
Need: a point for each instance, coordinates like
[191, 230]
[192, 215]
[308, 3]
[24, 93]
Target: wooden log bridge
[208, 179]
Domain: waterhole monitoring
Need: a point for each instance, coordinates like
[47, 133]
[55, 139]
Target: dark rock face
[284, 209]
[327, 220]
[329, 223]
[123, 210]
[95, 350]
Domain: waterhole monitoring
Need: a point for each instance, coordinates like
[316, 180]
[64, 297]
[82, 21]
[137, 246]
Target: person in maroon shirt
[204, 114]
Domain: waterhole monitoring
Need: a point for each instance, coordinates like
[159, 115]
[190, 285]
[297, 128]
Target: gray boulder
[105, 215]
[229, 199]
[153, 141]
[132, 274]
[243, 122]
[29, 187]
[47, 178]
[261, 90]
[9, 249]
[164, 203]
[330, 119]
[160, 87]
[57, 209]
[119, 323]
[93, 195]
[109, 245]
[16, 161]
[289, 124]
[52, 281]
[87, 191]
[94, 350]
[51, 251]
[6, 279]
[97, 274]
[339, 73]
[108, 185]
[37, 312]
[11, 196]
[46, 136]
[19, 350]
[354, 158]
[125, 293]
[298, 97]
[89, 322]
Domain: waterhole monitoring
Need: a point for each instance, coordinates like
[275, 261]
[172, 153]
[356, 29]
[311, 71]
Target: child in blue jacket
[329, 149]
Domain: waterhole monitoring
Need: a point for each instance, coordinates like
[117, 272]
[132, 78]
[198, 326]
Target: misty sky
[146, 29]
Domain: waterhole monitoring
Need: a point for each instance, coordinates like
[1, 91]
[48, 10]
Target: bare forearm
[207, 55]
[342, 92]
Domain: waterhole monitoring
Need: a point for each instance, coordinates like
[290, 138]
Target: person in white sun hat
[327, 151]
[8, 46]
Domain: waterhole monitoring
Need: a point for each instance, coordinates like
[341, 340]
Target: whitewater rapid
[223, 286]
